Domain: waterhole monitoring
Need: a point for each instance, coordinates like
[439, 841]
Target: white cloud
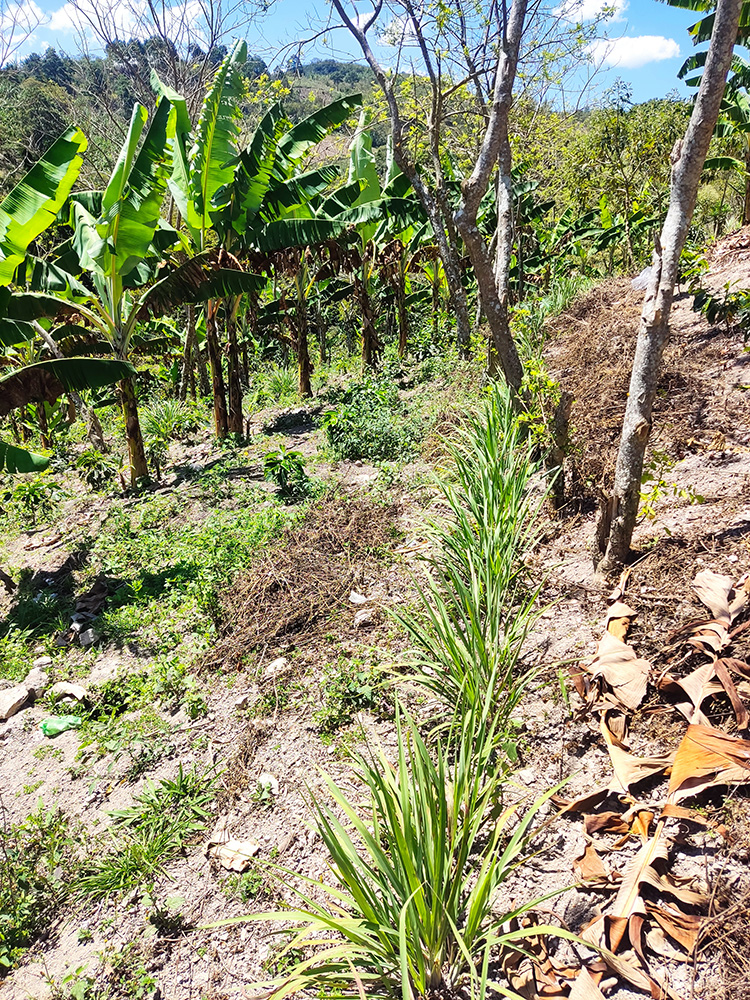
[592, 10]
[399, 31]
[181, 21]
[632, 53]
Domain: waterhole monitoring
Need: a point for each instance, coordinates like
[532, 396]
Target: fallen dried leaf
[585, 987]
[708, 757]
[623, 671]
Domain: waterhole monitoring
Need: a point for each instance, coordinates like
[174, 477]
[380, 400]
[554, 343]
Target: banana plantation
[374, 566]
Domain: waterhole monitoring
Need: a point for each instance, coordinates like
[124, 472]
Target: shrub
[370, 423]
[287, 469]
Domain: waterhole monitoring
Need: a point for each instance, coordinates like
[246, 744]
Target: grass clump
[473, 608]
[164, 817]
[413, 912]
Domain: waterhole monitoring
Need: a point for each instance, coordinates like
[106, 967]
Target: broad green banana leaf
[238, 203]
[132, 199]
[179, 180]
[213, 153]
[47, 276]
[34, 202]
[298, 191]
[197, 280]
[14, 459]
[286, 233]
[362, 162]
[13, 332]
[28, 306]
[47, 380]
[298, 141]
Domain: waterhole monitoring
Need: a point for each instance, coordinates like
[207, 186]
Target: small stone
[37, 680]
[276, 668]
[732, 559]
[356, 598]
[65, 691]
[42, 661]
[363, 617]
[13, 700]
[89, 637]
[269, 781]
[526, 776]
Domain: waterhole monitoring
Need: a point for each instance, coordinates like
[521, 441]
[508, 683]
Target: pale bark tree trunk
[688, 156]
[493, 284]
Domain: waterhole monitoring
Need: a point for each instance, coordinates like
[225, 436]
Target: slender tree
[688, 157]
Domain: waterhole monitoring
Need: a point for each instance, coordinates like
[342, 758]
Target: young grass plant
[414, 909]
[474, 609]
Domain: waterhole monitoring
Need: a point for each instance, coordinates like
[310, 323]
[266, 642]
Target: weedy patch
[298, 583]
[164, 817]
[39, 858]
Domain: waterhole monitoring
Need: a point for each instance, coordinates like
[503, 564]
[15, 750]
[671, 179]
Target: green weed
[370, 422]
[38, 859]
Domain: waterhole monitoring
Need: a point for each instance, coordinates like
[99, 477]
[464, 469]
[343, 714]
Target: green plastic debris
[59, 724]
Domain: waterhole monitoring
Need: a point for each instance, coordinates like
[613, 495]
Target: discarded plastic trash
[59, 724]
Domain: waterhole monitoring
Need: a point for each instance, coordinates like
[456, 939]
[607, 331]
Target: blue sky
[645, 42]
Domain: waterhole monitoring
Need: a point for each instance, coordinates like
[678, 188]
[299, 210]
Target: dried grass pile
[591, 354]
[295, 585]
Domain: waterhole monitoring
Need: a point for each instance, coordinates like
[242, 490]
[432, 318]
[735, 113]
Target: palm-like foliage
[44, 382]
[34, 202]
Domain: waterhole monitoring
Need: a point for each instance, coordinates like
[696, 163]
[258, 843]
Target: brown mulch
[295, 585]
[591, 355]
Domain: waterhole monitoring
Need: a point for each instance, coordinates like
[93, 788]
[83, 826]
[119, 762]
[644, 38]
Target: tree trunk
[191, 349]
[303, 351]
[204, 386]
[746, 200]
[133, 435]
[221, 417]
[235, 423]
[42, 424]
[493, 287]
[370, 344]
[688, 157]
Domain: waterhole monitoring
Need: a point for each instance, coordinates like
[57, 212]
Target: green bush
[287, 469]
[370, 422]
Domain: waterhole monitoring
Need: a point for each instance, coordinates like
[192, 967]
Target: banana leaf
[34, 202]
[47, 380]
[14, 459]
[213, 151]
[299, 140]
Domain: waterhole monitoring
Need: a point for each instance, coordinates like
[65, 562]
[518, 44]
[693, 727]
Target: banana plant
[45, 382]
[275, 211]
[202, 164]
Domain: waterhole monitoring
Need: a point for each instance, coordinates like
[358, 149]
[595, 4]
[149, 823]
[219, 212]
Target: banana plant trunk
[133, 435]
[403, 318]
[303, 349]
[746, 199]
[688, 156]
[221, 416]
[233, 372]
[369, 335]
